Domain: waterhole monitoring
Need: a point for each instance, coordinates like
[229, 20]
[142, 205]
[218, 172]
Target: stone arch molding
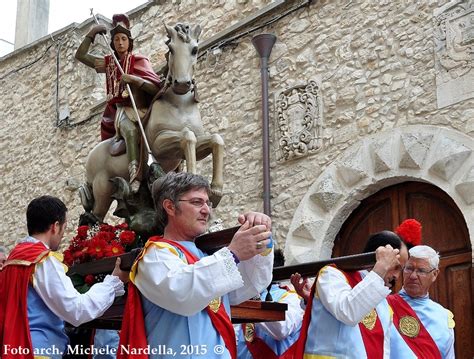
[439, 156]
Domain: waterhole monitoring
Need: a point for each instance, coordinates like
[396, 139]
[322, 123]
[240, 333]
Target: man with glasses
[421, 328]
[179, 298]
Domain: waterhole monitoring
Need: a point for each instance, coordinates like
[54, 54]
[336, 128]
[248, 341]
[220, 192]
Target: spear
[129, 90]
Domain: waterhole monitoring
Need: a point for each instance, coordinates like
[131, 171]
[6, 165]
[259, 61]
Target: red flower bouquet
[99, 241]
[95, 243]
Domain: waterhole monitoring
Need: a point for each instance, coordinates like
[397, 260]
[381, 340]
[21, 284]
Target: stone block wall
[374, 61]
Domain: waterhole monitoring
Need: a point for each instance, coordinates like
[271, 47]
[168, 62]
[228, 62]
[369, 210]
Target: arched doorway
[444, 228]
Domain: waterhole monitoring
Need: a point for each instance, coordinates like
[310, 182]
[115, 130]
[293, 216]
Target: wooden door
[444, 229]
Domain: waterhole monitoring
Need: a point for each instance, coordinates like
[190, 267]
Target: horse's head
[183, 48]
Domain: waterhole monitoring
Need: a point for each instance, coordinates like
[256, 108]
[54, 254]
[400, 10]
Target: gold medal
[370, 319]
[249, 333]
[125, 94]
[215, 304]
[409, 326]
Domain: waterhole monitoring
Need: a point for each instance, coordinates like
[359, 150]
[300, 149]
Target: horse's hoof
[87, 199]
[215, 196]
[88, 219]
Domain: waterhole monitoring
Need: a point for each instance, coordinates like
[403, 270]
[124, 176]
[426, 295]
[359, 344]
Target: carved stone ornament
[299, 121]
[454, 49]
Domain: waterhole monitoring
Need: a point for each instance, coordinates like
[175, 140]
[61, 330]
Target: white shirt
[56, 290]
[167, 281]
[346, 304]
[350, 305]
[293, 318]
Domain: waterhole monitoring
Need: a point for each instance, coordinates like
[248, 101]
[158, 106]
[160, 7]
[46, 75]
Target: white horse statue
[174, 130]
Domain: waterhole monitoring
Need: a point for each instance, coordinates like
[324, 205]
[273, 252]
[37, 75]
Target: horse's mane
[183, 32]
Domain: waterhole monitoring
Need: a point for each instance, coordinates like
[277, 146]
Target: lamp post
[263, 44]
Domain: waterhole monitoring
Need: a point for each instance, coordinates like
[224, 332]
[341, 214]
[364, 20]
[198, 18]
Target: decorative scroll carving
[299, 121]
[454, 49]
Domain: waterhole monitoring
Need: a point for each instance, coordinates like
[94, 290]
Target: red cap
[410, 231]
[120, 24]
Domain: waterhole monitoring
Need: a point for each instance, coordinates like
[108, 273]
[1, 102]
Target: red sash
[133, 326]
[14, 279]
[422, 344]
[259, 349]
[297, 349]
[373, 338]
[133, 333]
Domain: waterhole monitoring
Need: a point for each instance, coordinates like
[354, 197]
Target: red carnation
[105, 236]
[68, 258]
[410, 231]
[104, 227]
[82, 231]
[89, 279]
[114, 249]
[80, 254]
[127, 237]
[97, 248]
[123, 225]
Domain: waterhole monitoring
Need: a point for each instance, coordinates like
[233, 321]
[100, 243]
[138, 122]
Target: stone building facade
[373, 66]
[362, 94]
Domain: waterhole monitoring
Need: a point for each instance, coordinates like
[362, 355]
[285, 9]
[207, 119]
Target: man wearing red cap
[347, 315]
[119, 118]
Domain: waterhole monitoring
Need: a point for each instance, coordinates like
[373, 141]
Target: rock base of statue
[137, 209]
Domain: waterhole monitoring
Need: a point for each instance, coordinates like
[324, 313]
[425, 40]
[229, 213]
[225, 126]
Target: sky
[61, 14]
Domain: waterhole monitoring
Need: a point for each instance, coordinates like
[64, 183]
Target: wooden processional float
[250, 311]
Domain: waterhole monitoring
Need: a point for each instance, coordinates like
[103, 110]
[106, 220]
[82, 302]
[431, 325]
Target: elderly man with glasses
[179, 298]
[421, 328]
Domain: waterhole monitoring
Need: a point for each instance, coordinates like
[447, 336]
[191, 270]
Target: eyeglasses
[419, 272]
[197, 202]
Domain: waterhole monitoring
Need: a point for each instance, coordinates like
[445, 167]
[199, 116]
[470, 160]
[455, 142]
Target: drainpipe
[263, 44]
